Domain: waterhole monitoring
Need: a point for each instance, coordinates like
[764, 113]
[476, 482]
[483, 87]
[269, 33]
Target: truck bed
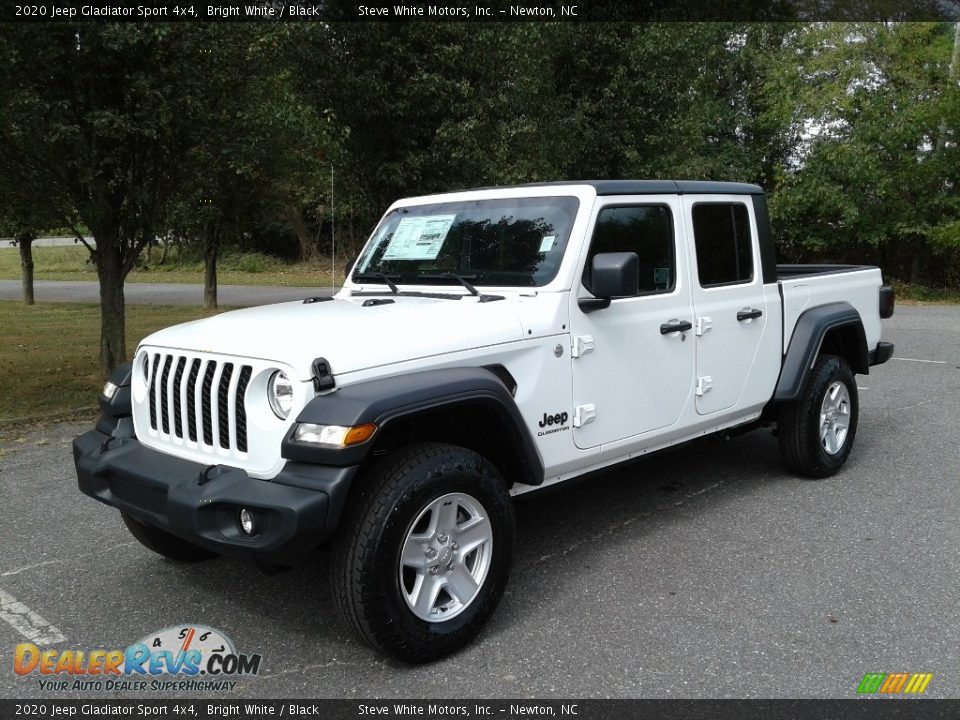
[806, 286]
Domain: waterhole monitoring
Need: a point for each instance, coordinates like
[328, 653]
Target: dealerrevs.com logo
[186, 657]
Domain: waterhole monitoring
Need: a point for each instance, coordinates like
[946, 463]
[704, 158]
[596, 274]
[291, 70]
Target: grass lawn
[70, 263]
[920, 295]
[49, 354]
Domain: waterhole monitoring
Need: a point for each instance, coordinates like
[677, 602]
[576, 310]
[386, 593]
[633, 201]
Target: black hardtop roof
[645, 187]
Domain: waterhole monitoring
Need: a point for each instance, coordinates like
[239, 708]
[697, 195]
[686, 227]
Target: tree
[29, 201]
[22, 218]
[876, 175]
[103, 114]
[425, 107]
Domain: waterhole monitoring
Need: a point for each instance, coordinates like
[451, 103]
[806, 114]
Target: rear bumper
[295, 512]
[880, 354]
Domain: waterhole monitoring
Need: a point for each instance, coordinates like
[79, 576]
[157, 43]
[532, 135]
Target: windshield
[509, 242]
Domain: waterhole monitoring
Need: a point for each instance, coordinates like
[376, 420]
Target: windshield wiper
[462, 279]
[382, 277]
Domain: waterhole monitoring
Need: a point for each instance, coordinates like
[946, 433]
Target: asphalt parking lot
[704, 572]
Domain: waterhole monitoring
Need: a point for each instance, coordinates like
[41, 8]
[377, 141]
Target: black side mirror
[612, 275]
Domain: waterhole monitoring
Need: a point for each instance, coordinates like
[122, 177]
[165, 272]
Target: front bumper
[296, 511]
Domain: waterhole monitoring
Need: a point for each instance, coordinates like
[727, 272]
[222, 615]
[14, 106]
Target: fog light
[246, 522]
[109, 390]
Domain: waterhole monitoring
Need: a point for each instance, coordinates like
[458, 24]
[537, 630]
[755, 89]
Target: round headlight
[280, 394]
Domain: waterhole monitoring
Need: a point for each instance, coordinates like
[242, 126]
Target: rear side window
[721, 232]
[646, 230]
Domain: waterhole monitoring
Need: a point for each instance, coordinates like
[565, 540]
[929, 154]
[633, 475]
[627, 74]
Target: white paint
[29, 567]
[640, 381]
[860, 288]
[741, 358]
[74, 559]
[932, 362]
[27, 622]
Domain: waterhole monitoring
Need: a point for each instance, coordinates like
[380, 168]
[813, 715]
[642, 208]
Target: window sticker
[661, 276]
[419, 238]
[547, 243]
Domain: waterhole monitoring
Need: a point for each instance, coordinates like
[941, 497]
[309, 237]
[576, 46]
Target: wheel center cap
[445, 555]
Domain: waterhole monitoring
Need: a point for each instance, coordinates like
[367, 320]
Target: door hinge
[582, 344]
[704, 385]
[703, 325]
[584, 414]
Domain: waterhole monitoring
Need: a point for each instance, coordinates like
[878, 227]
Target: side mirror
[612, 275]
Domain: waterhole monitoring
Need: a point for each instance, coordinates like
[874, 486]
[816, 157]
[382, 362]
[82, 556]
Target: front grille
[191, 397]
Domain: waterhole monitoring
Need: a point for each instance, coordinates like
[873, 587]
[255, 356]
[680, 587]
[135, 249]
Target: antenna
[333, 240]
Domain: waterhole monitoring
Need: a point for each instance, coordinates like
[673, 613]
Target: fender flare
[808, 334]
[386, 400]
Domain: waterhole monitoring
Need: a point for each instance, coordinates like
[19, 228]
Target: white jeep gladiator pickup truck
[484, 344]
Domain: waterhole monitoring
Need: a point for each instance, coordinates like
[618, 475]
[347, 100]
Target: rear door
[728, 296]
[629, 377]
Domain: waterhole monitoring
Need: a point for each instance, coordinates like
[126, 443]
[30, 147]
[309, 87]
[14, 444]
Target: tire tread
[798, 423]
[352, 566]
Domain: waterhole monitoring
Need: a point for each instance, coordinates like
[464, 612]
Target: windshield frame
[572, 197]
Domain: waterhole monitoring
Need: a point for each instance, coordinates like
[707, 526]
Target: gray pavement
[85, 291]
[49, 242]
[703, 572]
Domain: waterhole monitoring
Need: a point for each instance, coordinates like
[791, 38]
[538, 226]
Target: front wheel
[425, 552]
[816, 432]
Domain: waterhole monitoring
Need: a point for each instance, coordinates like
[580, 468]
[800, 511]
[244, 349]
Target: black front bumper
[295, 512]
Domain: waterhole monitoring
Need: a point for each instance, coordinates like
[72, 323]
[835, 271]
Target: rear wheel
[163, 543]
[816, 432]
[425, 553]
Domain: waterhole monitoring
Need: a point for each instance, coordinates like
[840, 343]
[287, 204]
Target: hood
[351, 337]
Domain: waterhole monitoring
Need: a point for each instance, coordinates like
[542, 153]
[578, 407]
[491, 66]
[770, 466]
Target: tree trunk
[308, 246]
[951, 80]
[915, 268]
[113, 345]
[211, 249]
[25, 246]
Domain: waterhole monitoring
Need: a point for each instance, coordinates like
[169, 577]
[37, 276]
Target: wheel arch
[469, 406]
[835, 328]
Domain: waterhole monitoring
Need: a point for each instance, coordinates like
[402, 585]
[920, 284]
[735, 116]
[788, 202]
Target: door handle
[749, 314]
[672, 326]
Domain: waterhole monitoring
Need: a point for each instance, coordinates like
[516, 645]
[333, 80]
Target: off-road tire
[799, 423]
[380, 513]
[163, 543]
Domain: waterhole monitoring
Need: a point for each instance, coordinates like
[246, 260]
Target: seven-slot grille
[199, 400]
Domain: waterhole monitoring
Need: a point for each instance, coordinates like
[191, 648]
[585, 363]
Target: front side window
[721, 232]
[508, 242]
[646, 230]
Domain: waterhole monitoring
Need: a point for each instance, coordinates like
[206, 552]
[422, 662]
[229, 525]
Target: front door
[631, 373]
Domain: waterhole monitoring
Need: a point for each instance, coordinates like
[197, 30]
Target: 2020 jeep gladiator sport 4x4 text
[485, 343]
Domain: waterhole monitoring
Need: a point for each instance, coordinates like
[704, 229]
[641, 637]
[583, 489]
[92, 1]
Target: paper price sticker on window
[419, 238]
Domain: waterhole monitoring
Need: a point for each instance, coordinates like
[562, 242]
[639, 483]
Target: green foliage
[216, 134]
[877, 177]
